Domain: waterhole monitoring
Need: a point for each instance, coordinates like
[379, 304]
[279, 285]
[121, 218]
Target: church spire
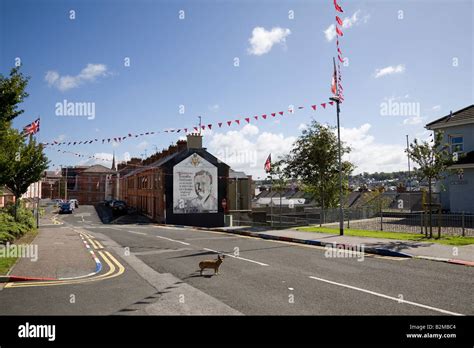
[113, 163]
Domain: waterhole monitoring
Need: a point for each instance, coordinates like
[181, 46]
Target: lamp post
[409, 175]
[341, 212]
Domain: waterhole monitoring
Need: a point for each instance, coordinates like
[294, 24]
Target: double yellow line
[95, 243]
[115, 269]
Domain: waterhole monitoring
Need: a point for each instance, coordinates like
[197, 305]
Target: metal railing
[367, 218]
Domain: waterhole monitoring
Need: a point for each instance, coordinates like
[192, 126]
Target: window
[457, 143]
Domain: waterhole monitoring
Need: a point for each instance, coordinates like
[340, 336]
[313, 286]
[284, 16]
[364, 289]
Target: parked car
[119, 207]
[57, 202]
[66, 208]
[107, 202]
[75, 202]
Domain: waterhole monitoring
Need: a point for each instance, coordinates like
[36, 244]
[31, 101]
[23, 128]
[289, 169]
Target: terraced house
[457, 188]
[184, 184]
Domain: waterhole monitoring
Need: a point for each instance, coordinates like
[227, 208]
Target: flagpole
[338, 109]
[38, 183]
[271, 201]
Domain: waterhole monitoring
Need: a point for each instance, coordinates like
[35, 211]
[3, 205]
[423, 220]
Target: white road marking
[162, 251]
[237, 257]
[388, 297]
[144, 234]
[172, 240]
[213, 238]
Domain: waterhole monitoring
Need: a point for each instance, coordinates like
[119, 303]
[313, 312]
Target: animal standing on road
[212, 264]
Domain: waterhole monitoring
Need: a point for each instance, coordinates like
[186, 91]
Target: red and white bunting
[240, 121]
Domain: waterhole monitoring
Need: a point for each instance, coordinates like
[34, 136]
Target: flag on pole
[32, 128]
[268, 164]
[334, 79]
[337, 7]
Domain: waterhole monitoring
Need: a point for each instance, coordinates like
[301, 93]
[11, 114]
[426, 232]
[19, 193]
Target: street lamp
[341, 212]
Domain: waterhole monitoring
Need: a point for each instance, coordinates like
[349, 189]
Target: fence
[366, 218]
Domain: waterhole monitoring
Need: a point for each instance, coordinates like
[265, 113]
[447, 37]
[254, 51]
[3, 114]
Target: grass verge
[447, 240]
[6, 263]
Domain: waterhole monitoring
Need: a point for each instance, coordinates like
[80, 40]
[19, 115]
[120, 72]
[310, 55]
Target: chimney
[172, 149]
[194, 141]
[182, 145]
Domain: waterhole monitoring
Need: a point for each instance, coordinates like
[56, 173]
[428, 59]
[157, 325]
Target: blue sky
[423, 55]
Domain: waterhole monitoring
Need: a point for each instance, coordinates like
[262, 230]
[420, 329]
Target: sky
[152, 65]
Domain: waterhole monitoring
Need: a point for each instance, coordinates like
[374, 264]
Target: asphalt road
[257, 277]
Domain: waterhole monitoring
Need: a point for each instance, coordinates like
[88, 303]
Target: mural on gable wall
[194, 186]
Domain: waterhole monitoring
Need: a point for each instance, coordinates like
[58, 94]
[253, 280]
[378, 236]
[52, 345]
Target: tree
[314, 161]
[12, 93]
[432, 161]
[21, 163]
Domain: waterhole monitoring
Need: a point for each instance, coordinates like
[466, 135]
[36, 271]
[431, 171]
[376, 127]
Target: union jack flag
[268, 164]
[32, 128]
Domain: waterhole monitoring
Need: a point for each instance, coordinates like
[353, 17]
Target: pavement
[60, 253]
[462, 255]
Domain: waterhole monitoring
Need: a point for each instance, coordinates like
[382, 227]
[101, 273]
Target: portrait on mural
[194, 186]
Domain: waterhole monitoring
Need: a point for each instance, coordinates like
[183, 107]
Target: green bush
[6, 237]
[11, 229]
[24, 216]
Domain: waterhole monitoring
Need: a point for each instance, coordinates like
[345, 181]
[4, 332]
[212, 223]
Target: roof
[460, 117]
[4, 191]
[156, 164]
[237, 175]
[52, 173]
[98, 168]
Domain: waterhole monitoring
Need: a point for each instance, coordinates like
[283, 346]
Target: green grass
[447, 240]
[6, 263]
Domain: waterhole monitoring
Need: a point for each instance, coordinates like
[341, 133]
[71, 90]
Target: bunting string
[221, 124]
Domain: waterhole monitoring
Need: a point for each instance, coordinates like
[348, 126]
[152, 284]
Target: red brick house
[90, 185]
[184, 184]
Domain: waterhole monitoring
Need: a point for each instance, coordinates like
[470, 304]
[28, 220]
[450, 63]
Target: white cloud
[105, 159]
[436, 107]
[214, 108]
[247, 149]
[60, 138]
[424, 135]
[250, 129]
[90, 73]
[369, 155]
[347, 22]
[302, 126]
[263, 40]
[413, 120]
[143, 145]
[389, 70]
[126, 156]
